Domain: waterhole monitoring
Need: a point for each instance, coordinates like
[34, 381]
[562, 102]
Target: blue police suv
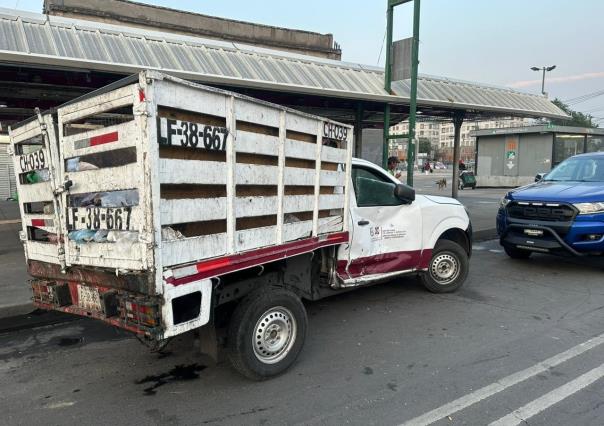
[563, 213]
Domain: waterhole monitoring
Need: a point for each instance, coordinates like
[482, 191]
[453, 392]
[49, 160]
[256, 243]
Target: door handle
[363, 222]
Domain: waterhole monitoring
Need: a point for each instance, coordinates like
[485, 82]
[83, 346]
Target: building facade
[440, 134]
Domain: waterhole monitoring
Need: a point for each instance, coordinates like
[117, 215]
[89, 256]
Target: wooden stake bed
[163, 176]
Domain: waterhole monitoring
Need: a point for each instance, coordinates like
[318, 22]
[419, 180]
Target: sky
[489, 41]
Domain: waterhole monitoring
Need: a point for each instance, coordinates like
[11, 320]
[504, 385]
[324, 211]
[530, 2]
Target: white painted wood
[109, 179]
[136, 222]
[318, 178]
[296, 230]
[192, 172]
[35, 192]
[187, 98]
[254, 113]
[191, 249]
[256, 143]
[127, 137]
[192, 210]
[108, 255]
[348, 179]
[44, 252]
[299, 177]
[299, 203]
[254, 238]
[331, 201]
[256, 206]
[47, 160]
[97, 106]
[231, 124]
[299, 149]
[334, 155]
[332, 178]
[302, 124]
[255, 174]
[26, 132]
[281, 185]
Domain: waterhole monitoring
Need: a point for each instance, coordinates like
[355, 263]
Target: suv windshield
[579, 169]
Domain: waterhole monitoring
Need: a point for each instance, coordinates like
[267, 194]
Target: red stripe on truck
[38, 222]
[385, 263]
[102, 139]
[227, 264]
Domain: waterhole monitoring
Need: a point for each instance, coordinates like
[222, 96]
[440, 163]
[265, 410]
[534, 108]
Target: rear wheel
[516, 253]
[448, 268]
[266, 333]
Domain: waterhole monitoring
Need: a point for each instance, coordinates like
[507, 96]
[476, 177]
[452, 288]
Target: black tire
[249, 337]
[473, 186]
[516, 253]
[446, 254]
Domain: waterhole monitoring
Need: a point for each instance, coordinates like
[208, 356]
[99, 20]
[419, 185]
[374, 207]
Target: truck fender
[443, 226]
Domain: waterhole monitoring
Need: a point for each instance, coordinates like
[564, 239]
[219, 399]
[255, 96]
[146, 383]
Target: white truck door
[385, 232]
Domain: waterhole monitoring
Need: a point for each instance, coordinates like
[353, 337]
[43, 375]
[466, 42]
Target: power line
[583, 98]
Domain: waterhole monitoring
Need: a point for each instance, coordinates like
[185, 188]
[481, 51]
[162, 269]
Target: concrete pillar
[457, 122]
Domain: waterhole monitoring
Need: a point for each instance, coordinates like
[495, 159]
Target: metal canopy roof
[64, 42]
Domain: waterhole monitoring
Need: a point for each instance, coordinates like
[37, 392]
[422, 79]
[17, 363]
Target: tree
[425, 146]
[578, 119]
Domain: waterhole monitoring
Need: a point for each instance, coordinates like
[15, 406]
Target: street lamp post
[544, 69]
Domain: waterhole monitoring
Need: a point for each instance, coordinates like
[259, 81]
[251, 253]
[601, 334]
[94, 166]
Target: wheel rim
[444, 268]
[274, 335]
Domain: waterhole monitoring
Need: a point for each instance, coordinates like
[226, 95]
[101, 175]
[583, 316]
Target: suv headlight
[590, 208]
[504, 202]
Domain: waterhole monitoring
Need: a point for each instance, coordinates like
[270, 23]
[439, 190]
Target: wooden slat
[46, 165]
[298, 203]
[192, 210]
[136, 220]
[35, 192]
[256, 143]
[186, 98]
[299, 177]
[249, 239]
[108, 179]
[192, 172]
[333, 155]
[25, 132]
[330, 178]
[255, 206]
[257, 114]
[44, 252]
[109, 255]
[331, 202]
[298, 149]
[302, 124]
[127, 137]
[190, 249]
[254, 174]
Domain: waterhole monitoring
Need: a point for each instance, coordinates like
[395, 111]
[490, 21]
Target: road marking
[538, 405]
[502, 384]
[5, 222]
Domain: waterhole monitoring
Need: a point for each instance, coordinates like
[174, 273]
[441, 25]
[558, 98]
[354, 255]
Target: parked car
[563, 213]
[439, 166]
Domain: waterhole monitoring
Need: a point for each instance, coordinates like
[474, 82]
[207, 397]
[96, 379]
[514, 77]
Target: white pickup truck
[161, 206]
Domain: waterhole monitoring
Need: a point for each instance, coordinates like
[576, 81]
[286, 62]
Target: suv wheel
[448, 268]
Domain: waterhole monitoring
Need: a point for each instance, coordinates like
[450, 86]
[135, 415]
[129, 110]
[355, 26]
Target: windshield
[579, 169]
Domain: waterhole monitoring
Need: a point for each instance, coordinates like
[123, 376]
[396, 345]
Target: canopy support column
[457, 122]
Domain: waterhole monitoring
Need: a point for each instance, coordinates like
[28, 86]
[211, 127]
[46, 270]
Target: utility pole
[412, 95]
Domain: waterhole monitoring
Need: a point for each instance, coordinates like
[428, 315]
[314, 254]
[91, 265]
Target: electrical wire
[381, 48]
[583, 98]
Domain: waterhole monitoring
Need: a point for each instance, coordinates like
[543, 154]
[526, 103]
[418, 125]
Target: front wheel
[448, 268]
[266, 333]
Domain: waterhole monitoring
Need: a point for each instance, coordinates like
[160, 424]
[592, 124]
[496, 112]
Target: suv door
[386, 232]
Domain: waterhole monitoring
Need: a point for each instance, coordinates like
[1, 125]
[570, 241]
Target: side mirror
[404, 193]
[539, 176]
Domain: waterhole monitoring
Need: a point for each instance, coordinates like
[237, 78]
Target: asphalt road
[514, 337]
